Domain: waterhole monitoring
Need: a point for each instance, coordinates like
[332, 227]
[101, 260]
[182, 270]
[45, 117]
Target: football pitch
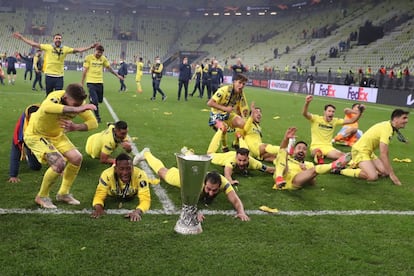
[342, 226]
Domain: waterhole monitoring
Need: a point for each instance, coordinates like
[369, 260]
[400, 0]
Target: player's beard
[58, 43]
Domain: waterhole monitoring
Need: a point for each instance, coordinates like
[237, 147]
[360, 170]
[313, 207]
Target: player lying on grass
[125, 182]
[214, 183]
[102, 144]
[293, 172]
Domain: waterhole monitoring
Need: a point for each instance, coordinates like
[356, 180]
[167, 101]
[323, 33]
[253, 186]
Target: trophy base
[188, 223]
[188, 229]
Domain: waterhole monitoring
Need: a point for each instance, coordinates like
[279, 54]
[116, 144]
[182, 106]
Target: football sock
[69, 175]
[155, 163]
[280, 163]
[351, 172]
[172, 177]
[139, 88]
[49, 178]
[215, 141]
[321, 169]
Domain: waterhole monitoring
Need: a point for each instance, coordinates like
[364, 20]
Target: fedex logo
[328, 90]
[357, 94]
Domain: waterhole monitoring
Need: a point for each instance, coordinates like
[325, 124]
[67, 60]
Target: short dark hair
[398, 113]
[242, 151]
[123, 156]
[121, 125]
[241, 77]
[355, 104]
[55, 35]
[212, 177]
[301, 142]
[100, 48]
[76, 92]
[329, 105]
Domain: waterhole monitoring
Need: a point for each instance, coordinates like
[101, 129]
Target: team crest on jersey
[219, 95]
[143, 184]
[54, 100]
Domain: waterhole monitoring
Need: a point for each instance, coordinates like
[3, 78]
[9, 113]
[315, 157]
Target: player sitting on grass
[293, 172]
[252, 137]
[214, 183]
[123, 181]
[322, 131]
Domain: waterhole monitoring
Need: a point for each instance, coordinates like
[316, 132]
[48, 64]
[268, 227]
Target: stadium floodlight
[216, 14]
[238, 13]
[227, 13]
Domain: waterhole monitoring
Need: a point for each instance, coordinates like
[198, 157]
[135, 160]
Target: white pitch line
[166, 202]
[212, 212]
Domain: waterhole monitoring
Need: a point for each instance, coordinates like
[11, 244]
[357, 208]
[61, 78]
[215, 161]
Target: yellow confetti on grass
[134, 138]
[405, 160]
[276, 117]
[167, 113]
[268, 209]
[205, 110]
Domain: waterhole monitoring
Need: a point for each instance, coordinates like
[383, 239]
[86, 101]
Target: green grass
[60, 244]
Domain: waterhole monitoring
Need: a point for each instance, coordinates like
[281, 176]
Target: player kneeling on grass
[123, 181]
[365, 163]
[214, 183]
[293, 172]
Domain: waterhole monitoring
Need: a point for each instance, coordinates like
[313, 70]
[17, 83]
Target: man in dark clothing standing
[29, 65]
[184, 78]
[11, 68]
[123, 71]
[38, 67]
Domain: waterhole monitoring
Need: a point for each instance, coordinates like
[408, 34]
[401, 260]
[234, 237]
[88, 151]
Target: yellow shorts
[173, 177]
[324, 148]
[359, 156]
[40, 146]
[138, 78]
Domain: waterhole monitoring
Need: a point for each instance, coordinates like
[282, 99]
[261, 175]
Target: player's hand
[126, 145]
[134, 216]
[87, 107]
[98, 212]
[242, 217]
[17, 35]
[291, 132]
[308, 99]
[234, 182]
[14, 179]
[200, 217]
[395, 179]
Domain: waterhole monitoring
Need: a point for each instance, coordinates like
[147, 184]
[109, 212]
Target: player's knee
[76, 159]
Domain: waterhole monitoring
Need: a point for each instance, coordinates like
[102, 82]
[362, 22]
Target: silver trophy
[193, 169]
